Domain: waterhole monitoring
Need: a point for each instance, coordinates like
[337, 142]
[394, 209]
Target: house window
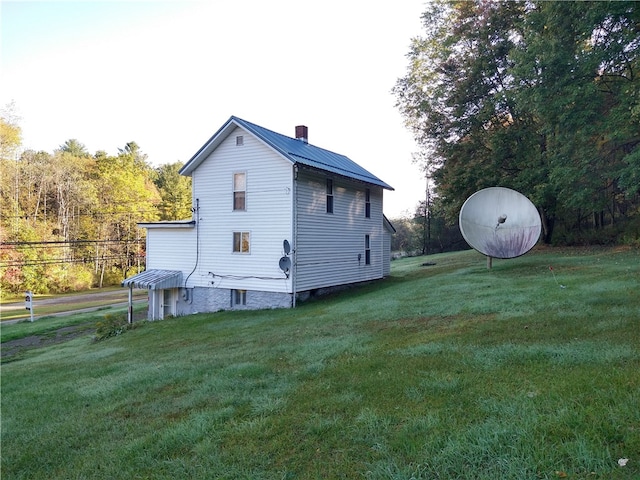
[329, 195]
[238, 297]
[367, 250]
[239, 191]
[241, 242]
[239, 140]
[367, 203]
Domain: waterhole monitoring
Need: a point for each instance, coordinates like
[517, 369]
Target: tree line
[539, 96]
[68, 218]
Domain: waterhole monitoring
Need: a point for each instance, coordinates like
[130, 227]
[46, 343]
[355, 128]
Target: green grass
[48, 326]
[449, 371]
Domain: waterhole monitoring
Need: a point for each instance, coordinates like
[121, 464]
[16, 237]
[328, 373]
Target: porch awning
[155, 280]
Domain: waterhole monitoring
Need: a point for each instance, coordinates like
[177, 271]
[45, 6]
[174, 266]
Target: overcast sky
[167, 75]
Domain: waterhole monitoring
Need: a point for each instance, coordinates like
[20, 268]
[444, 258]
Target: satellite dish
[285, 264]
[500, 222]
[286, 246]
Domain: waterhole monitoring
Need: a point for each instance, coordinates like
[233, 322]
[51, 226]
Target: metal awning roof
[155, 280]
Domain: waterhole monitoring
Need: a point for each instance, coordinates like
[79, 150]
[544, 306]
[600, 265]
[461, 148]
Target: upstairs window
[367, 250]
[240, 191]
[367, 203]
[239, 141]
[329, 195]
[241, 242]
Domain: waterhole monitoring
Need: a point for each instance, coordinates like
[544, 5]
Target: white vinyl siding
[171, 249]
[330, 248]
[268, 216]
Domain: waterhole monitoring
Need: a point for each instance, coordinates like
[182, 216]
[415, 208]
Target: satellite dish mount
[285, 261]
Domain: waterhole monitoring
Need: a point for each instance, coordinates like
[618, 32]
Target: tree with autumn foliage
[69, 219]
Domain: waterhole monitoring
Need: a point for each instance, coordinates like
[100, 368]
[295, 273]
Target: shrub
[111, 326]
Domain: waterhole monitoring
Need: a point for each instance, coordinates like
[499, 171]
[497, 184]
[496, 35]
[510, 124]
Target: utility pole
[427, 211]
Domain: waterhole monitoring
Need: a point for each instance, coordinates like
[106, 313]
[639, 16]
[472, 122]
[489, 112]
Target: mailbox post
[28, 302]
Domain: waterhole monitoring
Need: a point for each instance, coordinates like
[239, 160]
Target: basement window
[238, 298]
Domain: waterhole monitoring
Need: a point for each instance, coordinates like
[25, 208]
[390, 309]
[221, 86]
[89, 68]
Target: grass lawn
[446, 371]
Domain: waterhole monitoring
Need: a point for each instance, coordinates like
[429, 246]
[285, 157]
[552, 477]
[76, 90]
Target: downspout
[295, 234]
[380, 240]
[196, 212]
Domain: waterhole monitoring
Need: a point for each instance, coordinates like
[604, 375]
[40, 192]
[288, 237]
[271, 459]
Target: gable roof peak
[296, 150]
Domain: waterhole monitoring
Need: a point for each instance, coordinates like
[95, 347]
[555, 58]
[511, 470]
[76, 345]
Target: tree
[75, 148]
[457, 98]
[10, 143]
[580, 62]
[10, 134]
[175, 191]
[127, 196]
[541, 97]
[71, 217]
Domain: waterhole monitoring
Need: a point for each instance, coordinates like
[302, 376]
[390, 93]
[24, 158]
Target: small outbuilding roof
[155, 280]
[295, 150]
[168, 224]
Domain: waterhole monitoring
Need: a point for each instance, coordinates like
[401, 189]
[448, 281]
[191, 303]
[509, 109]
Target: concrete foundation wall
[202, 300]
[206, 299]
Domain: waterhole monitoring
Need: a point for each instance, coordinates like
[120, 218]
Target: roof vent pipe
[302, 133]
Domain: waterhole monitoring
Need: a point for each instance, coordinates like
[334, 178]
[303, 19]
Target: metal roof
[155, 280]
[296, 151]
[169, 224]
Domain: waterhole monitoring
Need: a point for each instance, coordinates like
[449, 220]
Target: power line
[62, 261]
[79, 214]
[66, 243]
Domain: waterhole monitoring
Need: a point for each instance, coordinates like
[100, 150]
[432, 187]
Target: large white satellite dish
[500, 222]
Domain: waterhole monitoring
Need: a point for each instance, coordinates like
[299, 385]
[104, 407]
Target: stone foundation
[203, 300]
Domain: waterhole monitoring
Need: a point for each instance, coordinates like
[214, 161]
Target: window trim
[329, 193]
[244, 192]
[238, 297]
[367, 249]
[367, 203]
[240, 244]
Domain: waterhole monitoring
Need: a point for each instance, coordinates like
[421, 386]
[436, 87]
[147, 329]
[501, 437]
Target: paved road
[113, 298]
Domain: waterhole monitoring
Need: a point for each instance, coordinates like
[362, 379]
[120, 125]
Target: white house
[275, 220]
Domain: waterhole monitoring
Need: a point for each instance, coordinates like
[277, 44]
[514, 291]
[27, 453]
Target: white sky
[167, 75]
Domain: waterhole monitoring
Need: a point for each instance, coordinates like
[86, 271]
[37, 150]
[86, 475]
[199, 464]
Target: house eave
[388, 225]
[168, 224]
[325, 171]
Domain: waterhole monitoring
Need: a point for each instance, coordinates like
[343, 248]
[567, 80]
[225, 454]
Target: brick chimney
[302, 133]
